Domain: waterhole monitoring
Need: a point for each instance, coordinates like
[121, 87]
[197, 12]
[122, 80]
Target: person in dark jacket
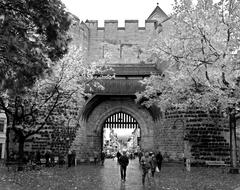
[47, 157]
[38, 157]
[73, 158]
[153, 163]
[69, 158]
[146, 167]
[159, 159]
[102, 156]
[123, 161]
[140, 154]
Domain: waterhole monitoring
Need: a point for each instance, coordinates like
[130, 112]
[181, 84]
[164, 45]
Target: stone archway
[89, 136]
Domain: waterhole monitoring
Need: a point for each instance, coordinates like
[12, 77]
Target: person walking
[102, 156]
[140, 154]
[38, 157]
[95, 156]
[73, 158]
[47, 158]
[159, 159]
[123, 161]
[69, 158]
[153, 163]
[52, 161]
[146, 166]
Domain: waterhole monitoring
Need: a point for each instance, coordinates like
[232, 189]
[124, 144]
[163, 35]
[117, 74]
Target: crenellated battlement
[129, 25]
[125, 44]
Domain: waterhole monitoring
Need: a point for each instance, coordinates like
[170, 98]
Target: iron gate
[121, 120]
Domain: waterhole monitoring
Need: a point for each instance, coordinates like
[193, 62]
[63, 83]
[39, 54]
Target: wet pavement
[107, 177]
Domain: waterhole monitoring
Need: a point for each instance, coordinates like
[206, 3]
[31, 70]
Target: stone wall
[123, 44]
[198, 135]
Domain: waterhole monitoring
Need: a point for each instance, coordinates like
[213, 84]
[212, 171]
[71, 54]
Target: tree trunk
[233, 143]
[234, 148]
[21, 160]
[21, 149]
[7, 143]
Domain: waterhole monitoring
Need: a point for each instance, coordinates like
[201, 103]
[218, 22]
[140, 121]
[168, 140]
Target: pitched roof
[158, 14]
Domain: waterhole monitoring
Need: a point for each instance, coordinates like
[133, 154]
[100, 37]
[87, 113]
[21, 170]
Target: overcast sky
[116, 9]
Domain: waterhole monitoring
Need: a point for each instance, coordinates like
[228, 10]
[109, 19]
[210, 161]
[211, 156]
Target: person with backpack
[153, 163]
[146, 166]
[123, 161]
[159, 159]
[102, 156]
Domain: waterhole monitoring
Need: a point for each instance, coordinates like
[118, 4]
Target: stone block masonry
[123, 44]
[195, 133]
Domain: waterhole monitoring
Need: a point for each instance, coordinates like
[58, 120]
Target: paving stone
[107, 177]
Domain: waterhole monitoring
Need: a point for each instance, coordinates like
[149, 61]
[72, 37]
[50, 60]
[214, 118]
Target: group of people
[71, 158]
[149, 162]
[102, 157]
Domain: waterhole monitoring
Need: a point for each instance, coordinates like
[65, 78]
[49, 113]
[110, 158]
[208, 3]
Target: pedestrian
[102, 157]
[69, 158]
[73, 158]
[47, 157]
[153, 163]
[146, 166]
[140, 154]
[123, 161]
[95, 155]
[118, 156]
[38, 157]
[188, 164]
[61, 160]
[159, 159]
[52, 161]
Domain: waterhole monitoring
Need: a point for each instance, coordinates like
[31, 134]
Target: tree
[52, 99]
[200, 44]
[32, 34]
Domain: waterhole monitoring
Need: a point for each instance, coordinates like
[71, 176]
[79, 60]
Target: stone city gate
[130, 63]
[174, 132]
[195, 133]
[115, 106]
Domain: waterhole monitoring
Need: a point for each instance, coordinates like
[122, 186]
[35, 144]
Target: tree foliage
[201, 45]
[53, 100]
[32, 34]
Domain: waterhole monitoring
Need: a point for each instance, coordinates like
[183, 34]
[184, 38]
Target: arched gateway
[101, 116]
